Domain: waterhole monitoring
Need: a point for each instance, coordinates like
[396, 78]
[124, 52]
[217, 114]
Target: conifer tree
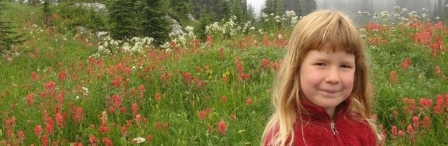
[445, 3]
[436, 11]
[225, 10]
[238, 11]
[8, 37]
[279, 7]
[155, 22]
[47, 13]
[308, 6]
[121, 19]
[205, 19]
[269, 7]
[95, 21]
[251, 13]
[179, 9]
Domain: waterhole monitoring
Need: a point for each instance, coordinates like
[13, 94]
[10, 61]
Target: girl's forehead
[327, 53]
[333, 49]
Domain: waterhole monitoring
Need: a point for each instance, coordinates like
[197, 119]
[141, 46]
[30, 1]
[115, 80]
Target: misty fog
[376, 6]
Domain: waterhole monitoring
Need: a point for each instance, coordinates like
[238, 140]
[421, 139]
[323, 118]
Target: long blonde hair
[323, 29]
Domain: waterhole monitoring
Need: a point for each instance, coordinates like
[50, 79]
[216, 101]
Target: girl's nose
[333, 75]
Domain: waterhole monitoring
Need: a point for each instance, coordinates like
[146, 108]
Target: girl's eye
[346, 66]
[320, 64]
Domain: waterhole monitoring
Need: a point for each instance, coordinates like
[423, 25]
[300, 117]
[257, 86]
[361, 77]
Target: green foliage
[292, 5]
[121, 20]
[225, 10]
[155, 22]
[269, 7]
[179, 10]
[47, 13]
[207, 17]
[68, 17]
[239, 10]
[180, 96]
[8, 36]
[308, 6]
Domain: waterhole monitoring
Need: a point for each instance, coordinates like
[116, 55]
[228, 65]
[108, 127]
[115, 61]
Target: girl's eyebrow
[325, 59]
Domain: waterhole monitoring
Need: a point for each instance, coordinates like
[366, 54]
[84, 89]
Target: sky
[257, 4]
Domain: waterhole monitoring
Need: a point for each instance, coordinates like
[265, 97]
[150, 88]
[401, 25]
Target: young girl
[320, 95]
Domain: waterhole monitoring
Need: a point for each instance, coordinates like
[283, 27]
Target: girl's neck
[330, 112]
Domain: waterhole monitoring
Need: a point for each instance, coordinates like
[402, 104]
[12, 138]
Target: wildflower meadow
[69, 89]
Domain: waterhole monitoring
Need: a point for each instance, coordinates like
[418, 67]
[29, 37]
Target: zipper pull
[333, 128]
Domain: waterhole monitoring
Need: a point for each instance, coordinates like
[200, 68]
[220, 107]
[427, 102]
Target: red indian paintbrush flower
[410, 130]
[426, 122]
[107, 142]
[405, 65]
[394, 131]
[38, 130]
[21, 136]
[134, 108]
[223, 98]
[393, 77]
[249, 101]
[187, 77]
[202, 115]
[92, 140]
[78, 115]
[49, 126]
[34, 76]
[438, 71]
[158, 96]
[59, 120]
[415, 121]
[62, 75]
[44, 140]
[222, 127]
[209, 40]
[138, 119]
[141, 89]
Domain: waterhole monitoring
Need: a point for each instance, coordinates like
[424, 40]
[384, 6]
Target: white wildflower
[375, 16]
[264, 15]
[424, 16]
[280, 36]
[166, 45]
[189, 28]
[290, 13]
[384, 14]
[366, 13]
[404, 10]
[294, 20]
[277, 18]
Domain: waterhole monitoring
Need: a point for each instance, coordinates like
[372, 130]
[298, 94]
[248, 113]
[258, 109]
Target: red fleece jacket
[319, 130]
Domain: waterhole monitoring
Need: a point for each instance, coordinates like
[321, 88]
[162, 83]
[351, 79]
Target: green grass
[245, 111]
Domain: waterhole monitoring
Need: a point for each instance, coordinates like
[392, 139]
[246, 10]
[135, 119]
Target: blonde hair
[319, 30]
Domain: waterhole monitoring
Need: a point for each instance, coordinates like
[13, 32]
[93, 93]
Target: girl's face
[326, 78]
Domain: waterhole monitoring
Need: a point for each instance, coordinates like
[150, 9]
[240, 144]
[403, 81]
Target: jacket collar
[317, 112]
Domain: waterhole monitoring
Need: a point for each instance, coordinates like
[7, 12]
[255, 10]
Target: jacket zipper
[335, 133]
[333, 128]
